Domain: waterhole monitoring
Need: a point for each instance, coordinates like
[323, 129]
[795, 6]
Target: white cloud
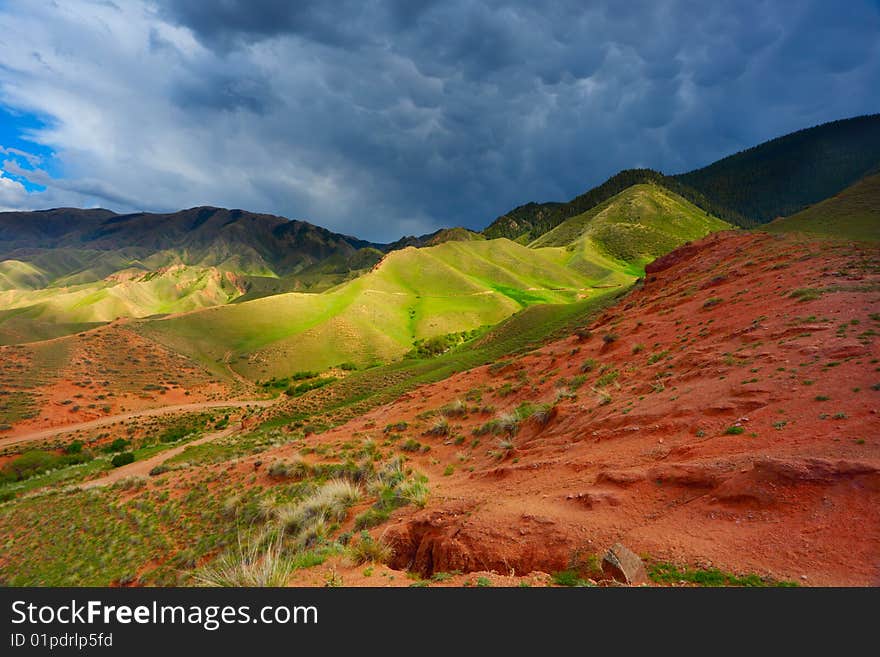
[389, 122]
[13, 195]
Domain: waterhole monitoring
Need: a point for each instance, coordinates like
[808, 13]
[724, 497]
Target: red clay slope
[740, 430]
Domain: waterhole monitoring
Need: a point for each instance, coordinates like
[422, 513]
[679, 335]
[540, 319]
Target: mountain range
[680, 366]
[66, 269]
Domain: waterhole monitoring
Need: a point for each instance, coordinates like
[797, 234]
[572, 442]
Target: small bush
[76, 447]
[287, 470]
[131, 483]
[734, 430]
[543, 414]
[411, 445]
[117, 445]
[416, 492]
[371, 517]
[307, 519]
[653, 358]
[454, 409]
[607, 378]
[249, 565]
[440, 428]
[496, 367]
[122, 459]
[608, 338]
[569, 577]
[303, 388]
[159, 469]
[399, 426]
[369, 550]
[304, 375]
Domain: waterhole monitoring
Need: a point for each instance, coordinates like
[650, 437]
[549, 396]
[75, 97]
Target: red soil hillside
[94, 374]
[724, 414]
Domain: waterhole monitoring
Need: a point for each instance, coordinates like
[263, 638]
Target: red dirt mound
[724, 414]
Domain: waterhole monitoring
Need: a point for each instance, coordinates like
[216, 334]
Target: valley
[218, 397]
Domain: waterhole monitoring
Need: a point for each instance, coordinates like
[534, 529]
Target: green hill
[852, 214]
[31, 313]
[413, 294]
[783, 176]
[455, 234]
[63, 268]
[629, 230]
[528, 222]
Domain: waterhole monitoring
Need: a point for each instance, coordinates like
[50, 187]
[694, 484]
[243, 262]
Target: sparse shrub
[399, 426]
[454, 409]
[569, 577]
[230, 506]
[543, 413]
[505, 390]
[411, 445]
[505, 446]
[475, 395]
[577, 381]
[608, 338]
[439, 428]
[734, 430]
[582, 334]
[371, 517]
[505, 423]
[303, 388]
[159, 469]
[806, 294]
[416, 491]
[249, 565]
[588, 365]
[712, 302]
[287, 470]
[307, 519]
[638, 348]
[369, 550]
[496, 367]
[135, 482]
[653, 358]
[303, 375]
[607, 378]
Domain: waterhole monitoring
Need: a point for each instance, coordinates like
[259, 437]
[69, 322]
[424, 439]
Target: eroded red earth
[725, 414]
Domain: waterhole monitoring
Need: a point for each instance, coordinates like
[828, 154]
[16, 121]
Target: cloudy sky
[388, 118]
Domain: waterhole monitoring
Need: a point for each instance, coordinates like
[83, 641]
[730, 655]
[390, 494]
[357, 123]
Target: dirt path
[142, 468]
[235, 375]
[105, 421]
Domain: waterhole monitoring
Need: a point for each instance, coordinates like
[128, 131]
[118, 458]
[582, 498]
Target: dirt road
[142, 468]
[105, 421]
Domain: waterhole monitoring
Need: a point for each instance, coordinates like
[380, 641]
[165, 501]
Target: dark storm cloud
[383, 118]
